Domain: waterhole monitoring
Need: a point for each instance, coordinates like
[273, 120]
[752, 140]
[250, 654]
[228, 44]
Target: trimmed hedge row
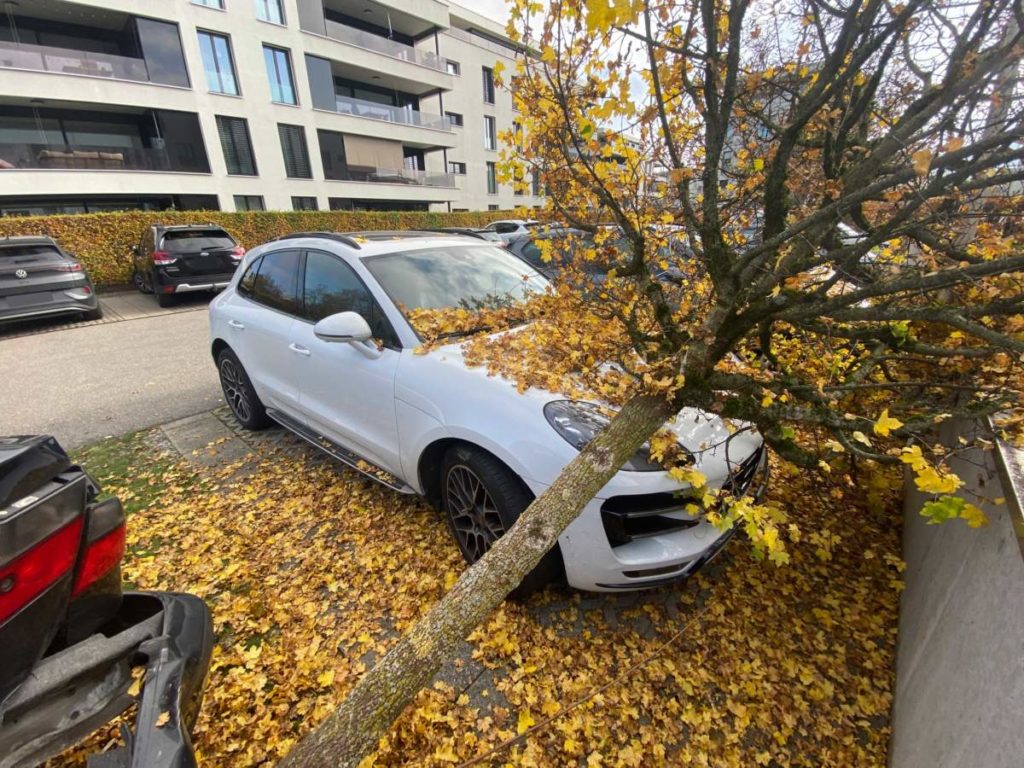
[102, 241]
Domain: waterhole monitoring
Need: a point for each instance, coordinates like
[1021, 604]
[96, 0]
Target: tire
[498, 498]
[166, 300]
[239, 394]
[140, 282]
[93, 314]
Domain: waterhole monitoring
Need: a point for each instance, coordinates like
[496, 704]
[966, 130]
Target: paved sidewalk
[118, 305]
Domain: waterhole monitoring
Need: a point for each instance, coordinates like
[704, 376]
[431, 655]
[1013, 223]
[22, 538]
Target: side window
[276, 283]
[331, 286]
[245, 285]
[531, 253]
[505, 228]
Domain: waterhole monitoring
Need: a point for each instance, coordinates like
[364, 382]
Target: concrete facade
[959, 699]
[437, 31]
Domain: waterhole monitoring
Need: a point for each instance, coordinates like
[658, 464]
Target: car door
[260, 318]
[345, 394]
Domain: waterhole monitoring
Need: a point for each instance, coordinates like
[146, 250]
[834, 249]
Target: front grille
[744, 475]
[627, 518]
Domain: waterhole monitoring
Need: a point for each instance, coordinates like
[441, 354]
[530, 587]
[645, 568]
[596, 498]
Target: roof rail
[349, 241]
[391, 234]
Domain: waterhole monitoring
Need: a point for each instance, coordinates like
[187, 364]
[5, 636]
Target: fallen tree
[779, 229]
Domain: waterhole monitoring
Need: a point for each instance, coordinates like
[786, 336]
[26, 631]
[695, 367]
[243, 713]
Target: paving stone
[206, 440]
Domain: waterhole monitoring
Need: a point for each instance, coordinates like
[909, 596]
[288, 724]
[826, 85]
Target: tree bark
[353, 730]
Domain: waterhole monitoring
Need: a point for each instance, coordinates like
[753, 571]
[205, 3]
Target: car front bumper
[74, 691]
[592, 563]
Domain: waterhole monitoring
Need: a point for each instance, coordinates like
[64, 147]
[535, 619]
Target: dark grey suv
[38, 278]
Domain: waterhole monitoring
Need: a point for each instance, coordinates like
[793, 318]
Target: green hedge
[103, 241]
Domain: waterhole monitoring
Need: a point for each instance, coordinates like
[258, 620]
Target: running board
[339, 452]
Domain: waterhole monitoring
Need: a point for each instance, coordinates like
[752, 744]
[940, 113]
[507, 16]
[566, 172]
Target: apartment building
[252, 104]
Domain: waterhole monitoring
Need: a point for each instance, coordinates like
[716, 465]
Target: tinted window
[331, 286]
[30, 252]
[197, 240]
[245, 285]
[531, 252]
[277, 282]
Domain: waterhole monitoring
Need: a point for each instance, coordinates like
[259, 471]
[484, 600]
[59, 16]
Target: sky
[492, 9]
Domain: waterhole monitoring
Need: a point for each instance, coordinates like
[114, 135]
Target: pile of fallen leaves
[312, 572]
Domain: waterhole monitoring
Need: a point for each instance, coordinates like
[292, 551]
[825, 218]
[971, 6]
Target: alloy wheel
[473, 514]
[234, 390]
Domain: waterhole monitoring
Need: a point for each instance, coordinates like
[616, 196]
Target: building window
[237, 146]
[304, 203]
[270, 10]
[452, 67]
[492, 178]
[295, 151]
[454, 118]
[492, 207]
[536, 184]
[279, 73]
[459, 168]
[210, 3]
[217, 61]
[488, 85]
[517, 132]
[249, 203]
[490, 133]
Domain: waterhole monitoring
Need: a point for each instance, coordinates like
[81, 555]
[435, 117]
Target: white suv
[311, 334]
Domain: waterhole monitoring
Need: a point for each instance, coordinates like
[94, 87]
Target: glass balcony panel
[346, 105]
[90, 157]
[400, 176]
[66, 61]
[373, 42]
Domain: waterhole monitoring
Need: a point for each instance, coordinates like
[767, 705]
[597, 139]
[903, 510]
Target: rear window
[197, 240]
[38, 252]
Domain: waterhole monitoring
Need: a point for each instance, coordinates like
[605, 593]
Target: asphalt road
[84, 383]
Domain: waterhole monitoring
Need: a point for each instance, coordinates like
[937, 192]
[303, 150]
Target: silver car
[38, 278]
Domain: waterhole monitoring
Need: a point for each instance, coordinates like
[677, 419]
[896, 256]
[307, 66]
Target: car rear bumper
[74, 691]
[21, 306]
[191, 283]
[593, 563]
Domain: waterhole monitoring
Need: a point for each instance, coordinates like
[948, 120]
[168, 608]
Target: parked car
[480, 234]
[527, 247]
[38, 278]
[313, 333]
[182, 258]
[70, 638]
[509, 228]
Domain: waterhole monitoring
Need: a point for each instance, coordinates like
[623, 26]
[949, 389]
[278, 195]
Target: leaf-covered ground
[312, 571]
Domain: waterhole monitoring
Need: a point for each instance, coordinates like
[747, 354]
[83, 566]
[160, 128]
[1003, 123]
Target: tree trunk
[353, 730]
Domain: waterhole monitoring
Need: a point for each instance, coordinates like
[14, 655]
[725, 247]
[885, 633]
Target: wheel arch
[428, 466]
[218, 346]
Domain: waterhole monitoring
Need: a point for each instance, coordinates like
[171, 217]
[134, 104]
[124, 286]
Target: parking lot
[138, 366]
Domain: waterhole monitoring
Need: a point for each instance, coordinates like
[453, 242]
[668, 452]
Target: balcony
[62, 38]
[90, 158]
[371, 42]
[347, 105]
[41, 58]
[398, 176]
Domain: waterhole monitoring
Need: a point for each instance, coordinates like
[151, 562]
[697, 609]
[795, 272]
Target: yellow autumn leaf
[886, 424]
[921, 160]
[525, 721]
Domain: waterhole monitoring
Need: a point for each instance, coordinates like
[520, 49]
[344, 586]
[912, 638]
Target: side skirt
[340, 453]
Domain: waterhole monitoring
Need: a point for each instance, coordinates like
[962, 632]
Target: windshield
[466, 276]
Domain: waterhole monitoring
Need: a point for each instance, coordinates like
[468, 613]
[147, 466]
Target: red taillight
[237, 253]
[160, 258]
[32, 572]
[72, 267]
[101, 556]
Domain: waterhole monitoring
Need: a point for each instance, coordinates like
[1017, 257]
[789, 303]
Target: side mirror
[343, 327]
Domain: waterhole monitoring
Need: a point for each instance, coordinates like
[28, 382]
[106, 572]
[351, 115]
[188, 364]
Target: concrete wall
[960, 665]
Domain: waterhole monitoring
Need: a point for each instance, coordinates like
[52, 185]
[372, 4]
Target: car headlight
[579, 422]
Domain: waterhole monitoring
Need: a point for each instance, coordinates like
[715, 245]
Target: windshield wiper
[467, 332]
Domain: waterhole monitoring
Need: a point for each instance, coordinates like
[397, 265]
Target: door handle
[299, 350]
[236, 324]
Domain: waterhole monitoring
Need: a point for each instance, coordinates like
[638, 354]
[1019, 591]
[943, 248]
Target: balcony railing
[346, 105]
[483, 42]
[373, 42]
[95, 158]
[396, 176]
[43, 58]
